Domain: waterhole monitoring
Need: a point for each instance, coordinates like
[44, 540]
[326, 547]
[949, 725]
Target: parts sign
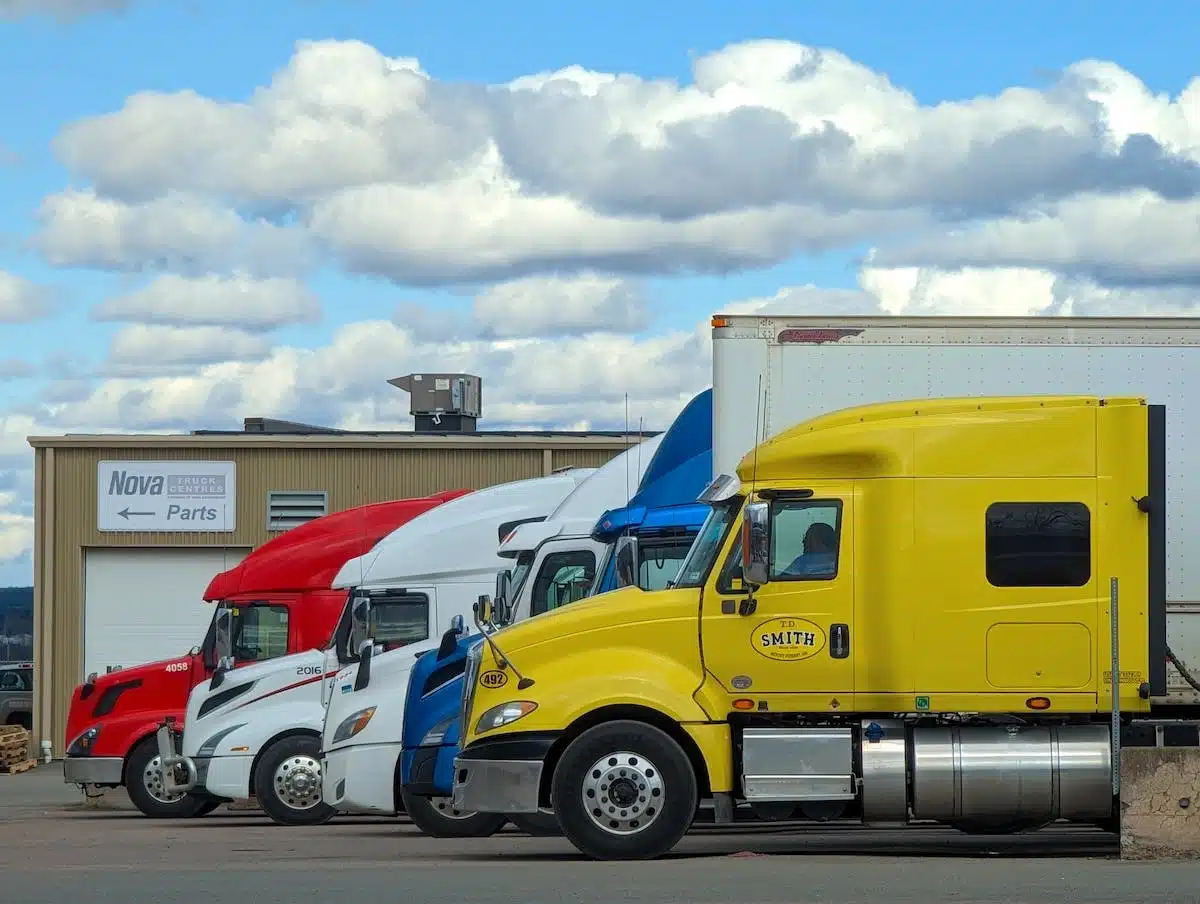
[171, 496]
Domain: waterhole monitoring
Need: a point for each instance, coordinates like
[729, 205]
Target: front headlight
[82, 745]
[504, 714]
[353, 724]
[436, 735]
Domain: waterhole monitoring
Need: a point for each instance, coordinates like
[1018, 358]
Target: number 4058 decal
[177, 666]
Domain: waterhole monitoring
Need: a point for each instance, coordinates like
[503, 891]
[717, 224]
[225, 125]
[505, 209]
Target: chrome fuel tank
[998, 775]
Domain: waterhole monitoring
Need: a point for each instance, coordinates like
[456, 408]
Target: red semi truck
[282, 603]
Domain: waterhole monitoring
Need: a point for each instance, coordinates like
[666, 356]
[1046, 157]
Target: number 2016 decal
[493, 679]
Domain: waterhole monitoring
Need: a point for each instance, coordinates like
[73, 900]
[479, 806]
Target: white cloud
[551, 197]
[555, 306]
[236, 300]
[774, 148]
[22, 301]
[176, 231]
[1133, 239]
[140, 349]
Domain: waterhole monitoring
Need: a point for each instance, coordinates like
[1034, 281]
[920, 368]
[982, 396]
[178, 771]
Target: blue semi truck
[662, 516]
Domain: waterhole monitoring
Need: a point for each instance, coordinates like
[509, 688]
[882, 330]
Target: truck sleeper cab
[946, 657]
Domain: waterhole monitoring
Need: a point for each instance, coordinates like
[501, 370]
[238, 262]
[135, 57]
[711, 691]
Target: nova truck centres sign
[172, 496]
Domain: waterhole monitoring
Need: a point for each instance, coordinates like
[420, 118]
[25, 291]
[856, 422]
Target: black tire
[298, 755]
[145, 789]
[652, 773]
[539, 825]
[435, 822]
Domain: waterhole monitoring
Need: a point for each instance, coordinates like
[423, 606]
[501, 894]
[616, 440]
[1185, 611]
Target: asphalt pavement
[56, 848]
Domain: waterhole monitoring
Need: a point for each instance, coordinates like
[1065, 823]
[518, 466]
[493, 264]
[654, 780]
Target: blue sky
[224, 48]
[227, 51]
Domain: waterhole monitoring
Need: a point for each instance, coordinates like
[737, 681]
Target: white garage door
[142, 605]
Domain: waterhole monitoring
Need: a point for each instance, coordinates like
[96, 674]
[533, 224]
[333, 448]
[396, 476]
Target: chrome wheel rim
[444, 807]
[623, 793]
[152, 781]
[298, 782]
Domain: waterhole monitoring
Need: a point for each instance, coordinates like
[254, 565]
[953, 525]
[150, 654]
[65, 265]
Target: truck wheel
[287, 782]
[437, 818]
[539, 825]
[624, 790]
[144, 785]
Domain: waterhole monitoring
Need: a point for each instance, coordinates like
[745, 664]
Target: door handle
[839, 641]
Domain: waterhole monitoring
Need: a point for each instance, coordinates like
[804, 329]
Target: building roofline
[399, 439]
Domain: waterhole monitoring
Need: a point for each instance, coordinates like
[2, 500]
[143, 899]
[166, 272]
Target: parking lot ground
[54, 849]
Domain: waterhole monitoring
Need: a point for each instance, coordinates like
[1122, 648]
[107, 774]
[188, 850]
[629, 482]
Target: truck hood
[629, 605]
[142, 670]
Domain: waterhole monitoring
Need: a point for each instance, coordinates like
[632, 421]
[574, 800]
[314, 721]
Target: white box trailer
[811, 365]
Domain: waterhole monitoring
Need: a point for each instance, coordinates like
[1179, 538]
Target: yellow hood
[626, 606]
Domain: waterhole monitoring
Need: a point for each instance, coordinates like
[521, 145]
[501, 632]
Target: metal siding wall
[582, 458]
[352, 476]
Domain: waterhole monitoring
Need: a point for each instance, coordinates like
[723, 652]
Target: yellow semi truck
[898, 612]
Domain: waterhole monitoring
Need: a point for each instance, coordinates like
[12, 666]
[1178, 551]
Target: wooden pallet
[21, 766]
[14, 748]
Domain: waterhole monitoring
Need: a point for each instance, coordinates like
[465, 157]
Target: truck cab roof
[575, 515]
[432, 546]
[681, 468]
[308, 556]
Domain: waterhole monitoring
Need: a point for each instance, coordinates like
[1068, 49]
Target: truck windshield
[694, 570]
[660, 561]
[259, 630]
[520, 571]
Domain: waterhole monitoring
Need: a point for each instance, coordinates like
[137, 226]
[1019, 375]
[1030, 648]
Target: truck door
[799, 638]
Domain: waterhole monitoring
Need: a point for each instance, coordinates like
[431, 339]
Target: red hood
[142, 671]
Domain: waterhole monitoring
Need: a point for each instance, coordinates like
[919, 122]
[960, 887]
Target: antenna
[758, 426]
[627, 445]
[749, 604]
[641, 443]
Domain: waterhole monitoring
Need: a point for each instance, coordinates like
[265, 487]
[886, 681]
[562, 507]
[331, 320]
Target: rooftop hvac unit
[442, 403]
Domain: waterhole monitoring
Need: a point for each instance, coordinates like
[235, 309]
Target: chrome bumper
[497, 786]
[172, 764]
[93, 770]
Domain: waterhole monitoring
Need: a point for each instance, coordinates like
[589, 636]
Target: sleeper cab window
[1038, 544]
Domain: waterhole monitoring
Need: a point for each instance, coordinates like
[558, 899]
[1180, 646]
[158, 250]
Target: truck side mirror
[222, 646]
[450, 638]
[365, 654]
[360, 623]
[223, 636]
[626, 557]
[756, 544]
[484, 611]
[503, 585]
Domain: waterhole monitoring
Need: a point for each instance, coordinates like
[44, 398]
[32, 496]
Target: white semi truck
[256, 731]
[361, 742]
[802, 366]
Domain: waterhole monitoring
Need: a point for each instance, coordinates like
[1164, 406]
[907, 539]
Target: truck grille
[470, 673]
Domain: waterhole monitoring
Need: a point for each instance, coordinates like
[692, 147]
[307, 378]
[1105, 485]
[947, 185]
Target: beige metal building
[131, 528]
